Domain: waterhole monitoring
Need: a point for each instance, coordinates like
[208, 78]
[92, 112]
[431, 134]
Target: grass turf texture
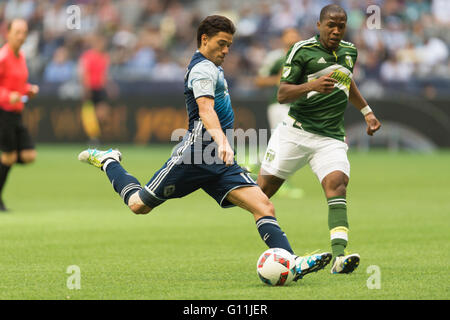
[66, 213]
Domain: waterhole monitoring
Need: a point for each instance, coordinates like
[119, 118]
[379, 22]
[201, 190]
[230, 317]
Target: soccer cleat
[311, 263]
[345, 264]
[97, 157]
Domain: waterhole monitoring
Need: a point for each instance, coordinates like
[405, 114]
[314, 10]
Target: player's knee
[28, 156]
[335, 184]
[139, 208]
[336, 189]
[339, 186]
[9, 158]
[341, 189]
[136, 205]
[269, 184]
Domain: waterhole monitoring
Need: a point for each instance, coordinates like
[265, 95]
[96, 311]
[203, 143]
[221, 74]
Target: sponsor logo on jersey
[342, 78]
[321, 60]
[339, 72]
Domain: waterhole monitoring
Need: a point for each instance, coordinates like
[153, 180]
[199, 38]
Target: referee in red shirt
[16, 144]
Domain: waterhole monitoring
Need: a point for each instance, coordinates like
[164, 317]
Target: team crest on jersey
[270, 155]
[286, 71]
[205, 84]
[169, 190]
[349, 61]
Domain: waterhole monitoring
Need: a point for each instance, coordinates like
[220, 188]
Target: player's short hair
[331, 8]
[212, 25]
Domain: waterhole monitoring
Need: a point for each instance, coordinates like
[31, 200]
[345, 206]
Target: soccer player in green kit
[317, 82]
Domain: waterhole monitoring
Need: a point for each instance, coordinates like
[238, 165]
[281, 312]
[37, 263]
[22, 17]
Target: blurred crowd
[155, 39]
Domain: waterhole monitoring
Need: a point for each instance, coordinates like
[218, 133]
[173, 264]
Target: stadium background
[403, 68]
[65, 214]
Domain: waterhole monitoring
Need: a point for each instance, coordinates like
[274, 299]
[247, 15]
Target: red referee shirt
[13, 77]
[95, 69]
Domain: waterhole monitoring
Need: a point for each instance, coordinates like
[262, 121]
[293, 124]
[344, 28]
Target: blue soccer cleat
[311, 263]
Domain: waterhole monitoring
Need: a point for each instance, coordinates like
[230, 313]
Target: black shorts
[98, 95]
[13, 134]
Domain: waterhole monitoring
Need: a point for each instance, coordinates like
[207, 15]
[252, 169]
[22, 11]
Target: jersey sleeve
[203, 79]
[293, 66]
[4, 92]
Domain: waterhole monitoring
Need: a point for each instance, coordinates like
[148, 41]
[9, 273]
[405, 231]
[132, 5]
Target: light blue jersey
[204, 79]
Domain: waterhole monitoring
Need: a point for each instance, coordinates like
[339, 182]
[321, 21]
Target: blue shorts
[177, 179]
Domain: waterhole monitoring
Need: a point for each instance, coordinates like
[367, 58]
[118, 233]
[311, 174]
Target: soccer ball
[276, 267]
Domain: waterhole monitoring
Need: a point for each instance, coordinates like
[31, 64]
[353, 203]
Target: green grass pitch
[65, 213]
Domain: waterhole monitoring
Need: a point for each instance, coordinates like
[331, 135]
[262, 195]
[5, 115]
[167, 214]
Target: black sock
[123, 182]
[272, 234]
[3, 175]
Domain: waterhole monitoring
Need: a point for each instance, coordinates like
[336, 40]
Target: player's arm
[203, 80]
[361, 104]
[32, 90]
[293, 87]
[289, 92]
[7, 96]
[212, 124]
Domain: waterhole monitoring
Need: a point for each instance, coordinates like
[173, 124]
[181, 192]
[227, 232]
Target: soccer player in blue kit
[210, 113]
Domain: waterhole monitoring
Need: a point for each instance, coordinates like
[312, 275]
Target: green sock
[337, 224]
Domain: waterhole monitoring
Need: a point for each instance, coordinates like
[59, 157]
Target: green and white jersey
[307, 61]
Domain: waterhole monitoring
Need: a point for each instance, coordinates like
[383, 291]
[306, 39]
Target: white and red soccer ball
[276, 267]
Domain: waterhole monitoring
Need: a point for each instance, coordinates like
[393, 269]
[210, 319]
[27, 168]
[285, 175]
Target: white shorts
[276, 112]
[291, 148]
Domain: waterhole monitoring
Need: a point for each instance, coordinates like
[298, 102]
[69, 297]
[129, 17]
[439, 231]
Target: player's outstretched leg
[109, 161]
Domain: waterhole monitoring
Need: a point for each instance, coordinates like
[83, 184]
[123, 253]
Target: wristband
[366, 110]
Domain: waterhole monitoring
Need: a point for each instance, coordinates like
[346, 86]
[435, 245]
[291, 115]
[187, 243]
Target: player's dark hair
[212, 25]
[331, 8]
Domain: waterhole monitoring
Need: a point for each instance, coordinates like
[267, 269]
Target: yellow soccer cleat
[345, 264]
[98, 157]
